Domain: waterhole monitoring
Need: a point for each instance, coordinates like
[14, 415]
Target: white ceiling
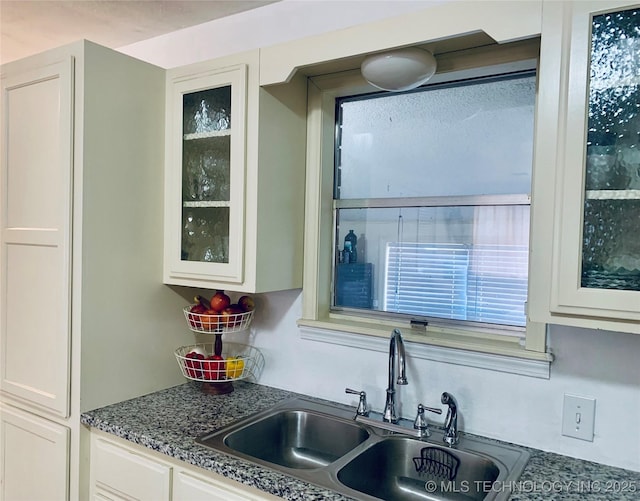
[31, 26]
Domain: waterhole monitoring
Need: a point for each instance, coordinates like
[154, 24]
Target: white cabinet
[36, 216]
[125, 471]
[234, 177]
[586, 217]
[84, 319]
[121, 473]
[33, 457]
[208, 183]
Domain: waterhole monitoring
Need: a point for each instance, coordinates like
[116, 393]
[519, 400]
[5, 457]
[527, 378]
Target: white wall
[519, 409]
[275, 23]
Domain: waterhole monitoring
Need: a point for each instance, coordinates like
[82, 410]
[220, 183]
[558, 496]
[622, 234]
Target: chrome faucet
[451, 421]
[363, 406]
[396, 348]
[420, 423]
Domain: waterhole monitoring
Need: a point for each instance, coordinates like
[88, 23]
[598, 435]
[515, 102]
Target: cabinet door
[189, 487]
[205, 177]
[33, 457]
[35, 215]
[105, 495]
[119, 473]
[596, 263]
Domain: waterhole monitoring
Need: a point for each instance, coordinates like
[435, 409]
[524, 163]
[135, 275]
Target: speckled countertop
[168, 421]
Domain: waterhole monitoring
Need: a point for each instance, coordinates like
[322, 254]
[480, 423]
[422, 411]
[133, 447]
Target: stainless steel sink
[297, 435]
[399, 469]
[321, 443]
[297, 439]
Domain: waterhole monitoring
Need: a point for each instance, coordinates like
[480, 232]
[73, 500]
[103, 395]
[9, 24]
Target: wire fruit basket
[203, 363]
[217, 324]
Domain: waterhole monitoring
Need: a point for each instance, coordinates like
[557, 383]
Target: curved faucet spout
[396, 348]
[451, 421]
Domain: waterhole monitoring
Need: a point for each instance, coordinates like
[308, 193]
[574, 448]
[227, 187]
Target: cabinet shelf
[207, 203]
[621, 84]
[613, 194]
[207, 135]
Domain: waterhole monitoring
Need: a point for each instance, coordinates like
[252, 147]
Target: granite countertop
[170, 420]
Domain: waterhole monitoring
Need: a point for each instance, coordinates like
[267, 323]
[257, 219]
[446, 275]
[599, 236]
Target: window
[421, 220]
[431, 200]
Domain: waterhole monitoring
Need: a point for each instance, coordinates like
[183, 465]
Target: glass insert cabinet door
[611, 227]
[605, 55]
[205, 178]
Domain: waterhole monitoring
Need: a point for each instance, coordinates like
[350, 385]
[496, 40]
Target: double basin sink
[322, 444]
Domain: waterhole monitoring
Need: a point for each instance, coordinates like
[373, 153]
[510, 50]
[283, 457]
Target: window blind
[482, 283]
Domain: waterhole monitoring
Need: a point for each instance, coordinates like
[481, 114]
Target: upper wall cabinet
[211, 173]
[234, 178]
[590, 72]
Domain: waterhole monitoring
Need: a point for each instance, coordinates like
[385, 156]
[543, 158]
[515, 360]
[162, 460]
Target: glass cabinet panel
[206, 180]
[611, 228]
[205, 175]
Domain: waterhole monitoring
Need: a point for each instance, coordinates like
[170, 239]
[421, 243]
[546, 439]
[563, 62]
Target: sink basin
[399, 469]
[322, 444]
[297, 439]
[302, 435]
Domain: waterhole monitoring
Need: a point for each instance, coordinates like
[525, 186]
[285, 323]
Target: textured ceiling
[31, 26]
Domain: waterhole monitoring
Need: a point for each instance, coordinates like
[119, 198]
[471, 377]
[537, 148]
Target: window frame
[319, 235]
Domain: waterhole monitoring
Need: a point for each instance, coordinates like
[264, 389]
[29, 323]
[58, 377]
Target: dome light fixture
[399, 69]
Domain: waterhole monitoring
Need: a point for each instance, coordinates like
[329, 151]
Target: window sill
[491, 354]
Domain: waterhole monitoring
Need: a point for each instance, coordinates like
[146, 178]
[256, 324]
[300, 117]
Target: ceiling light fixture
[399, 69]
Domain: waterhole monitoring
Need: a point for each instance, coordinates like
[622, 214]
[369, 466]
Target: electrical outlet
[578, 417]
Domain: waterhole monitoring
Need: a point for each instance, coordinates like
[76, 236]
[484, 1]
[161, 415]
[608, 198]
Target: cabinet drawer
[191, 487]
[125, 472]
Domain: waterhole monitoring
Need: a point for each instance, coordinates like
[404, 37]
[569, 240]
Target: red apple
[190, 364]
[194, 364]
[228, 316]
[194, 320]
[220, 301]
[198, 308]
[246, 303]
[210, 320]
[214, 367]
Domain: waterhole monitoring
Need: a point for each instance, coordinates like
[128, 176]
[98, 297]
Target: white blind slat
[482, 283]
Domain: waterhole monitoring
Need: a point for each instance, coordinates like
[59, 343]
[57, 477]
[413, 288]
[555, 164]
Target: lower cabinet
[34, 461]
[121, 471]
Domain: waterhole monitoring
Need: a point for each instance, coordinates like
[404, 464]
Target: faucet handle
[435, 410]
[421, 422]
[363, 407]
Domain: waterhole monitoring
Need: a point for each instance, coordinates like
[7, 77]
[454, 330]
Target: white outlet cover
[578, 417]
